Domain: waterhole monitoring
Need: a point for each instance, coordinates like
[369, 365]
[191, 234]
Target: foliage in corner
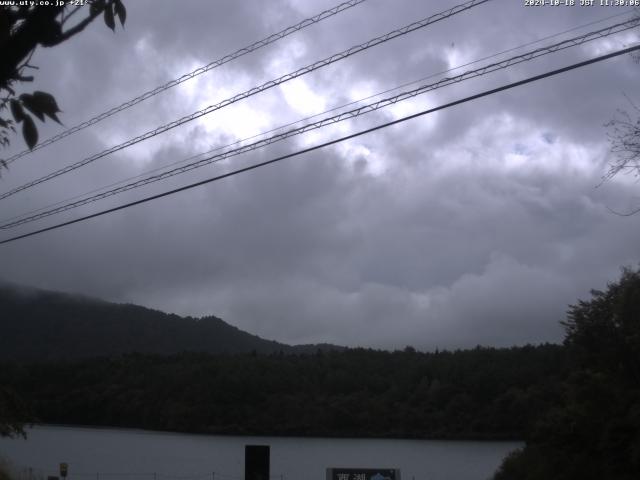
[624, 139]
[22, 29]
[595, 433]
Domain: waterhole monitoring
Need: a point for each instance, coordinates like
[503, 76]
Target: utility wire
[255, 90]
[188, 76]
[525, 57]
[331, 142]
[280, 127]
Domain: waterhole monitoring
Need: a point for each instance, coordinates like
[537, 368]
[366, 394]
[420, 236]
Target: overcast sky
[478, 224]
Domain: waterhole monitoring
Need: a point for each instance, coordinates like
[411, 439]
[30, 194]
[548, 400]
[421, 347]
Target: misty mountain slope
[44, 325]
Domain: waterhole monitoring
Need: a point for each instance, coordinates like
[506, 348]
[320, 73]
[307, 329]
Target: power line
[280, 127]
[333, 109]
[525, 57]
[255, 90]
[331, 142]
[188, 76]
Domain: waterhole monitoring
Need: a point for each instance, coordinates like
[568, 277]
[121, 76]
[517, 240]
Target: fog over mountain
[41, 325]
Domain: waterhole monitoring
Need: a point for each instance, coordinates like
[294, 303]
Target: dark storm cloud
[477, 225]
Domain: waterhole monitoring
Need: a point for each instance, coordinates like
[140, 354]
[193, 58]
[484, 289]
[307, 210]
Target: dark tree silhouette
[13, 413]
[595, 433]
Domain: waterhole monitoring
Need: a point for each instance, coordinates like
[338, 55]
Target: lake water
[114, 454]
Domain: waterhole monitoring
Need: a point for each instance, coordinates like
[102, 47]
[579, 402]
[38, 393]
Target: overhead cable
[188, 76]
[315, 115]
[253, 91]
[331, 142]
[525, 57]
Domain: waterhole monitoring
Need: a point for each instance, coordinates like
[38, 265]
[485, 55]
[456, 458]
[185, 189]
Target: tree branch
[80, 26]
[36, 28]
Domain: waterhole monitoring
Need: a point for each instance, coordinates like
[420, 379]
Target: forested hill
[484, 393]
[39, 325]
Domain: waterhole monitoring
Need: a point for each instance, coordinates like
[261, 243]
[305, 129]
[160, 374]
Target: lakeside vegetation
[483, 393]
[594, 433]
[577, 404]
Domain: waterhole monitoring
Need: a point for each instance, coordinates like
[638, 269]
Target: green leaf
[96, 7]
[29, 132]
[29, 102]
[46, 103]
[108, 17]
[120, 11]
[16, 110]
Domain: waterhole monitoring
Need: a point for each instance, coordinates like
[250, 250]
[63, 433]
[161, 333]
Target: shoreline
[138, 430]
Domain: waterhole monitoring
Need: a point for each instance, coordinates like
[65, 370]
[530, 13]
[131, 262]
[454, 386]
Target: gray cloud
[476, 225]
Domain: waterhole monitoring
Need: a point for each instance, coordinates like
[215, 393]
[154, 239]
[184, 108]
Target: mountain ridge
[41, 325]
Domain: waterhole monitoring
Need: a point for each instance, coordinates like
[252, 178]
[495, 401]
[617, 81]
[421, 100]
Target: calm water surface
[110, 454]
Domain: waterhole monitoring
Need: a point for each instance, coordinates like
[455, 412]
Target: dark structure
[256, 462]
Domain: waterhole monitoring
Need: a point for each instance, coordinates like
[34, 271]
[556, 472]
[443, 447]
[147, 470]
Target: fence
[31, 473]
